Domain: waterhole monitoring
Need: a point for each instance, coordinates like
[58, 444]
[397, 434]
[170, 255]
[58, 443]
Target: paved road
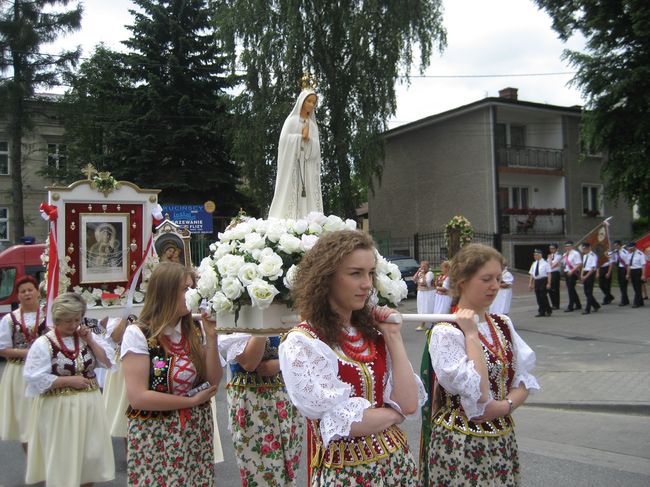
[588, 427]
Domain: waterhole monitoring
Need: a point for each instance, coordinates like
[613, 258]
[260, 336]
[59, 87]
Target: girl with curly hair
[347, 371]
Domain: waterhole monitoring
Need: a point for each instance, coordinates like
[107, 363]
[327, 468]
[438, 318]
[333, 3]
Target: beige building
[514, 168]
[42, 145]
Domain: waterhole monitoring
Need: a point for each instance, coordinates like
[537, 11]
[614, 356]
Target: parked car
[16, 262]
[407, 266]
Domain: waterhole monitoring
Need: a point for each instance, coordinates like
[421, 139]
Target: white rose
[316, 217]
[213, 247]
[393, 271]
[256, 254]
[275, 229]
[289, 244]
[97, 293]
[248, 273]
[308, 241]
[192, 300]
[221, 304]
[138, 297]
[393, 291]
[206, 264]
[315, 228]
[207, 284]
[241, 230]
[226, 236]
[223, 248]
[289, 279]
[229, 264]
[260, 226]
[299, 226]
[232, 288]
[253, 241]
[333, 224]
[261, 293]
[350, 224]
[271, 266]
[382, 266]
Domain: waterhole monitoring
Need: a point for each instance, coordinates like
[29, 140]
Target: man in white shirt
[572, 262]
[588, 277]
[635, 272]
[554, 259]
[540, 280]
[605, 277]
[621, 271]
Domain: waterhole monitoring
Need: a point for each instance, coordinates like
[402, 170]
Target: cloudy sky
[496, 37]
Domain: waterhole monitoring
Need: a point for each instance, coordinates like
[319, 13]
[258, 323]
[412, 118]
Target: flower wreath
[463, 225]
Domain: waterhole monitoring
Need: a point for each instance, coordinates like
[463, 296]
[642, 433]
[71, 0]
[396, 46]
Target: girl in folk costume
[501, 304]
[266, 427]
[426, 291]
[442, 303]
[347, 371]
[18, 330]
[478, 373]
[69, 443]
[165, 355]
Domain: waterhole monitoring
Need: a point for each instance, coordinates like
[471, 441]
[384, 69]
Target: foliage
[25, 26]
[356, 51]
[614, 75]
[464, 227]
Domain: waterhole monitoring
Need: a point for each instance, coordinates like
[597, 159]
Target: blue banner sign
[194, 217]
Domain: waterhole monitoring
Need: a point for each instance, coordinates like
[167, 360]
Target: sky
[484, 37]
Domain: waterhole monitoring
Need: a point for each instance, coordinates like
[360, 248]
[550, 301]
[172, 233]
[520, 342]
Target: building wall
[434, 173]
[544, 191]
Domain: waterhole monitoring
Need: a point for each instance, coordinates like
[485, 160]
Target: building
[514, 168]
[42, 145]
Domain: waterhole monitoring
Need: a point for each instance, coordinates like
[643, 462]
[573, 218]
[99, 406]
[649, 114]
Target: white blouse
[232, 346]
[38, 364]
[456, 373]
[310, 370]
[6, 327]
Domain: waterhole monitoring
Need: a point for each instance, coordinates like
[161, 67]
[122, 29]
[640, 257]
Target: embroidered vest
[62, 366]
[367, 381]
[241, 378]
[452, 416]
[18, 336]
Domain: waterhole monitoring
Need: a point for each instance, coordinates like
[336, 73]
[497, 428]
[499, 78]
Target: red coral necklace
[30, 336]
[495, 347]
[70, 354]
[356, 352]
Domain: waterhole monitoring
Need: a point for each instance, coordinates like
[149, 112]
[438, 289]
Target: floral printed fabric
[396, 470]
[457, 459]
[267, 435]
[170, 451]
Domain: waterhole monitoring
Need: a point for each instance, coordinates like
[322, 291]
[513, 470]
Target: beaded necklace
[355, 352]
[30, 336]
[496, 348]
[70, 354]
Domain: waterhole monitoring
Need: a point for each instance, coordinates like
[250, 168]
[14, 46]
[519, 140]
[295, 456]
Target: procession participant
[540, 281]
[423, 279]
[501, 304]
[635, 272]
[69, 441]
[266, 427]
[588, 277]
[18, 330]
[347, 370]
[478, 374]
[622, 258]
[605, 277]
[572, 263]
[166, 355]
[442, 303]
[554, 259]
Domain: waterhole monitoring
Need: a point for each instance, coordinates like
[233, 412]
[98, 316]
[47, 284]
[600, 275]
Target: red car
[16, 262]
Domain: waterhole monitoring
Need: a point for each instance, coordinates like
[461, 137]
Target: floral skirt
[176, 450]
[115, 402]
[15, 408]
[267, 432]
[69, 443]
[398, 469]
[457, 459]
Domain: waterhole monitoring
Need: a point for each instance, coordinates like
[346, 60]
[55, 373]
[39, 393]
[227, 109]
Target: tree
[25, 26]
[356, 50]
[614, 75]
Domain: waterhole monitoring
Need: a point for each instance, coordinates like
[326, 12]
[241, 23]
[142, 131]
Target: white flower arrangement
[255, 261]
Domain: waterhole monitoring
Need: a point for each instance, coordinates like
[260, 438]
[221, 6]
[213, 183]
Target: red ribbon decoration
[51, 214]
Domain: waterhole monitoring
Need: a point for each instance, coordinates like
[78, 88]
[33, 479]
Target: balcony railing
[530, 157]
[532, 224]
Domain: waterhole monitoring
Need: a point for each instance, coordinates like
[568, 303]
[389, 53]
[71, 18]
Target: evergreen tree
[25, 26]
[356, 50]
[614, 75]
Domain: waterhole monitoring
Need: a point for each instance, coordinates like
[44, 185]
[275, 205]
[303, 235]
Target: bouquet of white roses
[255, 261]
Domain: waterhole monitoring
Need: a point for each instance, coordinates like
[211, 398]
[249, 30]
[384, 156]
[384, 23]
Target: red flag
[643, 244]
[598, 238]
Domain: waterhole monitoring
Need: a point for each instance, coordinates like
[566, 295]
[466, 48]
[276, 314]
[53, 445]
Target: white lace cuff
[233, 345]
[337, 422]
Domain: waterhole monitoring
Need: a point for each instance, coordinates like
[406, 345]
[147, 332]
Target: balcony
[532, 221]
[530, 157]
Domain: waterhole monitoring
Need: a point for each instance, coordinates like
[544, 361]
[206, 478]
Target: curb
[636, 409]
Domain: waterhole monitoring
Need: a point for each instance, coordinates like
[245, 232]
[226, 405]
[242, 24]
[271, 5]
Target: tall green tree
[614, 76]
[356, 50]
[25, 27]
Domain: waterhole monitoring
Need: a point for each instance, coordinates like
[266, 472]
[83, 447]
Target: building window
[4, 223]
[518, 135]
[592, 200]
[56, 155]
[518, 197]
[4, 158]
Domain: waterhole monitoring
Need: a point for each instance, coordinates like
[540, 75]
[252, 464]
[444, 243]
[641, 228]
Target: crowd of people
[343, 372]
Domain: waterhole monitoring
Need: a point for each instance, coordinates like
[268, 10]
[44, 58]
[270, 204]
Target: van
[16, 262]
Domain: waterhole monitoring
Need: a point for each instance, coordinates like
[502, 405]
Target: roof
[480, 104]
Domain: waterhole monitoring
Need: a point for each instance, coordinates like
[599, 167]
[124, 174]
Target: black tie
[537, 269]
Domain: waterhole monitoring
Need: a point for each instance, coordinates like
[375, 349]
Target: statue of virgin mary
[297, 184]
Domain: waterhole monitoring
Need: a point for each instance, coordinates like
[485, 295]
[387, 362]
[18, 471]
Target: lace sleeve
[388, 389]
[454, 371]
[6, 340]
[232, 346]
[524, 360]
[38, 368]
[310, 371]
[133, 341]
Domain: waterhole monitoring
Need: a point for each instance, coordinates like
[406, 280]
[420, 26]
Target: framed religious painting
[105, 247]
[172, 243]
